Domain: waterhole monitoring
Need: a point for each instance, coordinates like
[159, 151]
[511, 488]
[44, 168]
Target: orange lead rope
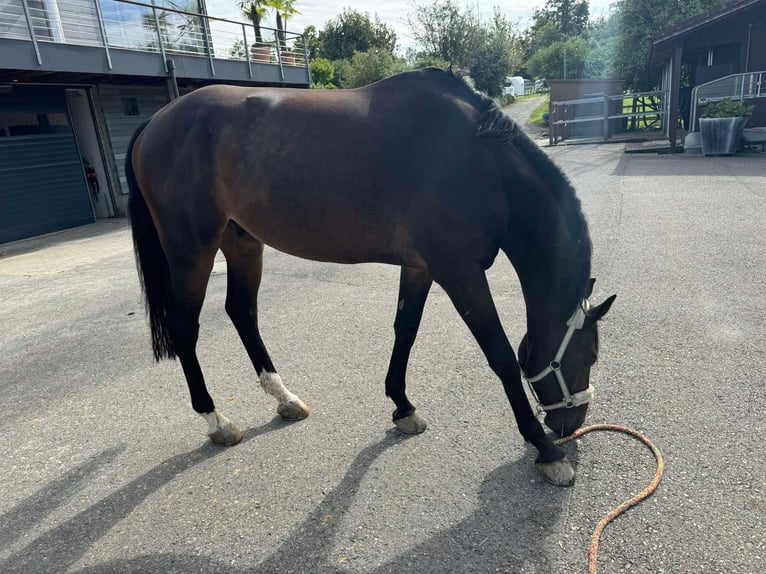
[615, 512]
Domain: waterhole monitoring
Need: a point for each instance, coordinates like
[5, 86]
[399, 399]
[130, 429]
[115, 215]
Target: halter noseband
[569, 400]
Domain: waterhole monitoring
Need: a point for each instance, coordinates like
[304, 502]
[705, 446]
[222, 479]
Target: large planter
[288, 58]
[720, 136]
[260, 54]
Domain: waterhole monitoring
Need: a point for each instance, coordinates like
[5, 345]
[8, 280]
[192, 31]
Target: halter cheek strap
[569, 400]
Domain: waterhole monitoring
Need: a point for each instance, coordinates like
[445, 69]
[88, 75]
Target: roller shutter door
[42, 184]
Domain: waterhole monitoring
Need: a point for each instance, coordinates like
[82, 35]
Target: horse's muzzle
[564, 421]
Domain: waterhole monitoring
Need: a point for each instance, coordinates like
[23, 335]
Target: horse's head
[556, 365]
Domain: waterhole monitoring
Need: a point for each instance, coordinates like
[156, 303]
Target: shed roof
[667, 35]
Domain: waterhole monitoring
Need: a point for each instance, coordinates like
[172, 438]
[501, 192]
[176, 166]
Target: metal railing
[606, 110]
[747, 85]
[163, 28]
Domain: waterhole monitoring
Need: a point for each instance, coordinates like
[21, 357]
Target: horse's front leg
[469, 291]
[414, 285]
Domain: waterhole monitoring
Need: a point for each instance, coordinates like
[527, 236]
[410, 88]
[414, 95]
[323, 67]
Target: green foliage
[454, 36]
[322, 71]
[352, 32]
[728, 108]
[283, 9]
[371, 66]
[602, 41]
[557, 21]
[237, 50]
[505, 100]
[548, 62]
[567, 18]
[496, 56]
[444, 30]
[311, 36]
[636, 22]
[342, 73]
[539, 115]
[416, 60]
[255, 11]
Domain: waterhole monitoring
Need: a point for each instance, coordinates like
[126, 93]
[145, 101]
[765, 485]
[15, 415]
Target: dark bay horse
[418, 171]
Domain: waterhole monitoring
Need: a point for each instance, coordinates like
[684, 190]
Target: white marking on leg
[272, 385]
[221, 430]
[290, 406]
[215, 421]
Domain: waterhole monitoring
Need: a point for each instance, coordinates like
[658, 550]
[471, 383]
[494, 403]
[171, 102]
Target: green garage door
[42, 185]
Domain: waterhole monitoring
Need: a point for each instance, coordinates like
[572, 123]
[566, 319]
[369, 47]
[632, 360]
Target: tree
[353, 32]
[283, 9]
[311, 36]
[557, 21]
[602, 43]
[636, 22]
[443, 30]
[549, 62]
[498, 54]
[371, 66]
[255, 11]
[322, 72]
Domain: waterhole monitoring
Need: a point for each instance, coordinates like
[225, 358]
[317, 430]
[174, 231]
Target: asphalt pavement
[106, 468]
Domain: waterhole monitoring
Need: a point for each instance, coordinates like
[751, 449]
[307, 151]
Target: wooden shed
[725, 41]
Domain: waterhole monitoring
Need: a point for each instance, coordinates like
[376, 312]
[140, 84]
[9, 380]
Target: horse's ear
[597, 312]
[589, 290]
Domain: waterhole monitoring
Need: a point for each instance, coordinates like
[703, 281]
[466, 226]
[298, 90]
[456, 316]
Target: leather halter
[568, 400]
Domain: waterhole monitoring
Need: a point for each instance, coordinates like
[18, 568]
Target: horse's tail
[151, 262]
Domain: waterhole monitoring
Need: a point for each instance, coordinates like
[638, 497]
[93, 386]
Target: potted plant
[284, 9]
[721, 126]
[255, 11]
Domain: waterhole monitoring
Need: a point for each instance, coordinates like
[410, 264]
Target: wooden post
[675, 89]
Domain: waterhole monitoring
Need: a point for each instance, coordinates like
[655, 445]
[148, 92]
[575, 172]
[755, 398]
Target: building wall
[757, 60]
[124, 109]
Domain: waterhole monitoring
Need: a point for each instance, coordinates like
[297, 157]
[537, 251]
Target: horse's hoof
[412, 424]
[227, 435]
[293, 410]
[558, 472]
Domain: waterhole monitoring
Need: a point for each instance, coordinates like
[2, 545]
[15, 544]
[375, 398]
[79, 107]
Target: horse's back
[305, 170]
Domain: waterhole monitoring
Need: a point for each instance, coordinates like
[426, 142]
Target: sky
[392, 12]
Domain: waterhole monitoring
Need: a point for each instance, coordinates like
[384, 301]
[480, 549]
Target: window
[130, 106]
[32, 123]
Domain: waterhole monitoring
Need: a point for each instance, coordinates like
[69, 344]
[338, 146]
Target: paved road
[107, 469]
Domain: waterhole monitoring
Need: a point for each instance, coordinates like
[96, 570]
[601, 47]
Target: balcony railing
[747, 85]
[163, 28]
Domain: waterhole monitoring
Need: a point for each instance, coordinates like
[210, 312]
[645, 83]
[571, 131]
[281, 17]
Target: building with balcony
[77, 77]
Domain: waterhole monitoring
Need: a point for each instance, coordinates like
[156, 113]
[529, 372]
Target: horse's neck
[548, 263]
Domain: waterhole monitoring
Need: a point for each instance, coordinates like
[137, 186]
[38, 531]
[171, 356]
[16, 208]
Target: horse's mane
[493, 124]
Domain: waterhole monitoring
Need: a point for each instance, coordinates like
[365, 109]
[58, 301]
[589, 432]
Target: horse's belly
[330, 240]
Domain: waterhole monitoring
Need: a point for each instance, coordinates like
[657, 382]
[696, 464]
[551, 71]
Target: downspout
[747, 52]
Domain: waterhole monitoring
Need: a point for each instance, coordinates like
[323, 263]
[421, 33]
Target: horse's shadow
[506, 533]
[59, 548]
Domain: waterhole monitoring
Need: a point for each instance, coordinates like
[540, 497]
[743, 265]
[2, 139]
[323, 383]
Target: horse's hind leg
[244, 259]
[189, 279]
[414, 285]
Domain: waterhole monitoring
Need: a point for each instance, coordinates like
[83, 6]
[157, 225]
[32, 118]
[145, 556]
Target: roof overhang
[666, 39]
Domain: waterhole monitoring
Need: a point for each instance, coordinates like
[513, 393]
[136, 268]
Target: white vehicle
[513, 86]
